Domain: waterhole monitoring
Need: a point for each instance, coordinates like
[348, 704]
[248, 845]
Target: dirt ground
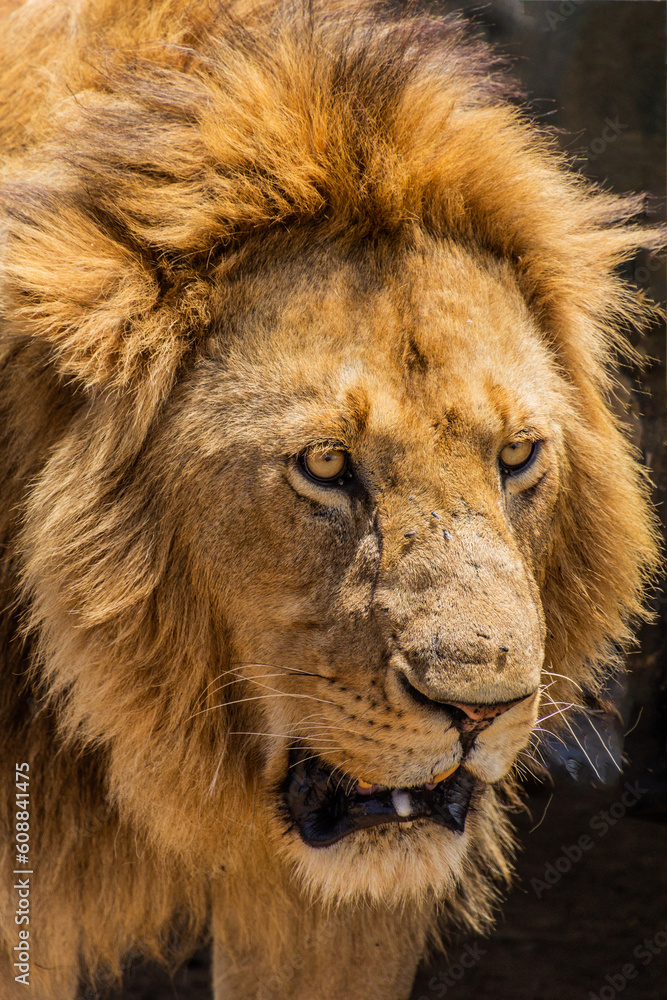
[587, 918]
[577, 916]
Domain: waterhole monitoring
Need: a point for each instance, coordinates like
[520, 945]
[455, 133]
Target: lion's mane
[154, 158]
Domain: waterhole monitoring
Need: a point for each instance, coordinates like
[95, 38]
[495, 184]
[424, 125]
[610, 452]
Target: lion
[314, 498]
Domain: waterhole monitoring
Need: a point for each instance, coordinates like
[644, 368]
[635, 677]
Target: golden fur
[234, 233]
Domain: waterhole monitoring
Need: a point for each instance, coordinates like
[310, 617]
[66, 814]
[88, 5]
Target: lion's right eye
[517, 455]
[326, 466]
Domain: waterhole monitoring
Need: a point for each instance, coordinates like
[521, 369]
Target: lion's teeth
[437, 778]
[400, 797]
[366, 788]
[402, 802]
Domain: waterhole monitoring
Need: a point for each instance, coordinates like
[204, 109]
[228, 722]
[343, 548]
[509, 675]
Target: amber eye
[517, 455]
[326, 465]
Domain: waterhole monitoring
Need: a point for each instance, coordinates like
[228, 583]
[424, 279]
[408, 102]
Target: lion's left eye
[517, 455]
[326, 466]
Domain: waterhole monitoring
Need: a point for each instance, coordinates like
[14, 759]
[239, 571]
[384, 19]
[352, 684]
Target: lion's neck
[271, 942]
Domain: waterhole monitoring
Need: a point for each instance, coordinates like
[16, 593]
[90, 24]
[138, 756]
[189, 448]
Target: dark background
[582, 64]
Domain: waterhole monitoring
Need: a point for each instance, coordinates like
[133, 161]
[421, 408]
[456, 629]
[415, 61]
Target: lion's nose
[482, 712]
[468, 717]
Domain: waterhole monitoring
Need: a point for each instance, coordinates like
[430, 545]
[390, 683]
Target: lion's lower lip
[325, 808]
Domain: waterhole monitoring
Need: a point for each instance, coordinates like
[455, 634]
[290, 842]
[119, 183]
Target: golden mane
[171, 159]
[236, 140]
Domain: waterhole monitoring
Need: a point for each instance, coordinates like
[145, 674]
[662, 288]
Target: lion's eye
[326, 465]
[517, 455]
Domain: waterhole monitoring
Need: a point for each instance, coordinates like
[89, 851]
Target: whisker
[539, 757]
[314, 715]
[239, 664]
[604, 747]
[285, 736]
[280, 666]
[343, 775]
[559, 711]
[552, 673]
[522, 769]
[544, 814]
[579, 744]
[553, 701]
[217, 770]
[340, 729]
[632, 729]
[549, 732]
[258, 697]
[236, 680]
[562, 711]
[314, 756]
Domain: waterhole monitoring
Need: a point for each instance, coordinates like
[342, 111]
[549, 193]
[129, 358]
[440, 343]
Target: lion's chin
[392, 864]
[389, 844]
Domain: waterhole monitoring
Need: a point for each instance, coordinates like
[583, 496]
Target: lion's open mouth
[326, 807]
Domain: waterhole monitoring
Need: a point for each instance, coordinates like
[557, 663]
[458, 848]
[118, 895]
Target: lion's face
[315, 498]
[379, 463]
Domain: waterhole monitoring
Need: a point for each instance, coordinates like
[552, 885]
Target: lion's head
[340, 507]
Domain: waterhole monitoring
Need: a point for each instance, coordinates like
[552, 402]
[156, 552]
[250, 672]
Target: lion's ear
[107, 315]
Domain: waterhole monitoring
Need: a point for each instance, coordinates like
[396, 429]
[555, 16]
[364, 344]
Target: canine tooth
[437, 778]
[364, 788]
[402, 802]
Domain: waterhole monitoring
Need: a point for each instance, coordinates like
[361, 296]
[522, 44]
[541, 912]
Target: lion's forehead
[448, 352]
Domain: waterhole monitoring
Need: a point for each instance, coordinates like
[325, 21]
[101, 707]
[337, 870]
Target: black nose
[467, 717]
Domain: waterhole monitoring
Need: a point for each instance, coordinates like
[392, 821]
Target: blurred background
[587, 917]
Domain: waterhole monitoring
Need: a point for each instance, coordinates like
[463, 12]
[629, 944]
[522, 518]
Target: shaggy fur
[234, 234]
